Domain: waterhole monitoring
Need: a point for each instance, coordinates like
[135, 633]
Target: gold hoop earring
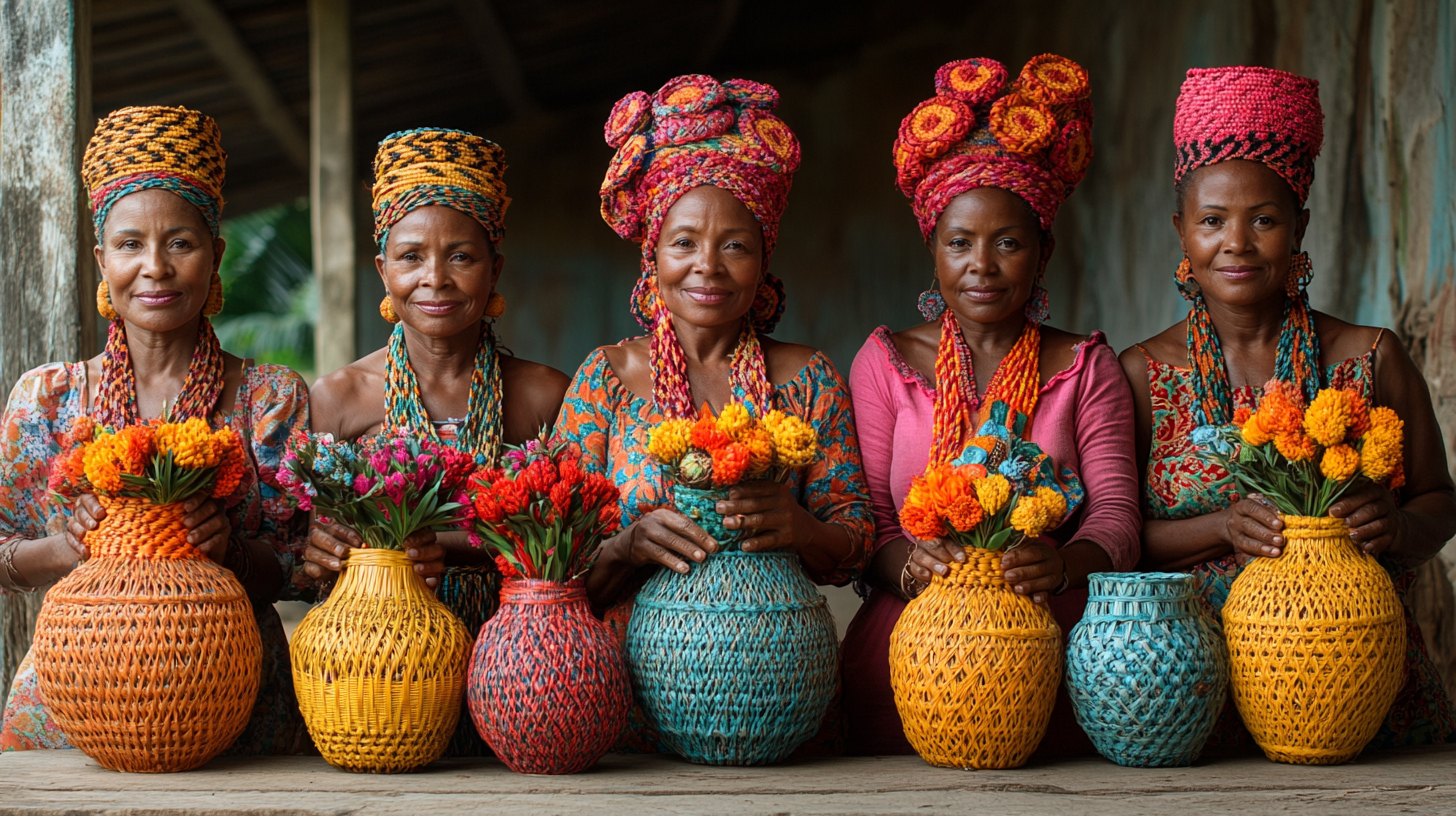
[386, 310]
[214, 297]
[103, 302]
[496, 306]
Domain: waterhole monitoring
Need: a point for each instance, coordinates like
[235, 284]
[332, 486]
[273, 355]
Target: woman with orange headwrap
[700, 178]
[986, 163]
[155, 176]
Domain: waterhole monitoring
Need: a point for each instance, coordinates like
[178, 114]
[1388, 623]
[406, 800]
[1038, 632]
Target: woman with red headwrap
[986, 164]
[1246, 140]
[700, 178]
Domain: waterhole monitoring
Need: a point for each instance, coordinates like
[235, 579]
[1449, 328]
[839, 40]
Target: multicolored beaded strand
[1017, 382]
[1296, 359]
[480, 434]
[116, 394]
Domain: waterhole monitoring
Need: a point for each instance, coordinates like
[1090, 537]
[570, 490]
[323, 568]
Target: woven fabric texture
[548, 685]
[735, 662]
[439, 167]
[1316, 642]
[380, 668]
[1146, 670]
[148, 654]
[174, 149]
[975, 668]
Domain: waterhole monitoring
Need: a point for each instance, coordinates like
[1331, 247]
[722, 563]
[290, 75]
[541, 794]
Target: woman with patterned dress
[155, 176]
[700, 179]
[985, 192]
[439, 208]
[1246, 144]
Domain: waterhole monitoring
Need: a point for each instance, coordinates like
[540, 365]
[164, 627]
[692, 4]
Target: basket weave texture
[148, 655]
[1316, 642]
[975, 668]
[1146, 671]
[735, 662]
[548, 686]
[472, 594]
[379, 668]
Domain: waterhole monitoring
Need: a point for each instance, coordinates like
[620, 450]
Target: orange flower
[1296, 446]
[1241, 415]
[232, 462]
[1281, 409]
[189, 442]
[964, 513]
[760, 451]
[730, 462]
[1382, 447]
[1254, 432]
[1339, 463]
[707, 435]
[921, 522]
[1330, 416]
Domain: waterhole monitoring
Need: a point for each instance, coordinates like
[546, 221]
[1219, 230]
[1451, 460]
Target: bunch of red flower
[541, 513]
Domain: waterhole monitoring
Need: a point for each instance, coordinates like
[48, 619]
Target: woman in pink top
[985, 188]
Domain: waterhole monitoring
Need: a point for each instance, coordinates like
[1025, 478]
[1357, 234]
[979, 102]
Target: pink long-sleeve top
[1083, 420]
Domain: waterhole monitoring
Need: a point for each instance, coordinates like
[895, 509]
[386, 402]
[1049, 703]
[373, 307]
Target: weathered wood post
[47, 289]
[331, 181]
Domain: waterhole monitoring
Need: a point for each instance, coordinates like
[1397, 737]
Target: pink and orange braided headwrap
[1033, 138]
[696, 131]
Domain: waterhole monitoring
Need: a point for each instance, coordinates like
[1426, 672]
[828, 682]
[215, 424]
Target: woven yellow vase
[1316, 643]
[380, 668]
[975, 668]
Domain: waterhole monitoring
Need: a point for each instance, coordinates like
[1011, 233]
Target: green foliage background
[268, 280]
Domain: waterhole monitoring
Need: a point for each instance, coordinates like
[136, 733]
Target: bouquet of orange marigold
[1002, 490]
[162, 462]
[1303, 458]
[733, 447]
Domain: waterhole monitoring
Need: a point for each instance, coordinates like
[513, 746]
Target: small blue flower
[1211, 437]
[1015, 468]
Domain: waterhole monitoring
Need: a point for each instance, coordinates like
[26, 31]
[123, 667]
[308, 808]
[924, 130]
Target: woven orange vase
[1316, 643]
[975, 668]
[148, 654]
[379, 668]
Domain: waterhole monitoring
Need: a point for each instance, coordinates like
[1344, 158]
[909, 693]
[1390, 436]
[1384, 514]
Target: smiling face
[709, 258]
[1239, 224]
[988, 249]
[157, 256]
[440, 270]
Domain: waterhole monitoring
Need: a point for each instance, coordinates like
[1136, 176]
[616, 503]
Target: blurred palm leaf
[271, 293]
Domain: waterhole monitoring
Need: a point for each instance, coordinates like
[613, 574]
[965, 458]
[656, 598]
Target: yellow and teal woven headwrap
[174, 149]
[434, 166]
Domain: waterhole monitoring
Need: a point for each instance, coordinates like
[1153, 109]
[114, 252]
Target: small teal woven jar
[1146, 671]
[735, 662]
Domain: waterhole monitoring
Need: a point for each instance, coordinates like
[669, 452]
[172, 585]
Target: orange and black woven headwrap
[174, 149]
[435, 166]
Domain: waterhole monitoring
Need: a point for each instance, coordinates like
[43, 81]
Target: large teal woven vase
[1146, 670]
[735, 662]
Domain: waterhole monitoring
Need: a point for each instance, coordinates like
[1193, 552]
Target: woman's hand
[1370, 513]
[330, 542]
[209, 529]
[933, 557]
[769, 512]
[664, 536]
[86, 515]
[1034, 569]
[1254, 528]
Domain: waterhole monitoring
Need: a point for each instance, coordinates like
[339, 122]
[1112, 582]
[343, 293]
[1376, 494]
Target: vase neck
[1148, 596]
[380, 573]
[982, 568]
[533, 592]
[136, 528]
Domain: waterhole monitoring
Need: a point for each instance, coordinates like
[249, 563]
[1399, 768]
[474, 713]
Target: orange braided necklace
[1017, 382]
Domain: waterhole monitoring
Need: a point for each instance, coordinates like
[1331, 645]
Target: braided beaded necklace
[480, 434]
[1296, 358]
[116, 393]
[1016, 382]
[670, 388]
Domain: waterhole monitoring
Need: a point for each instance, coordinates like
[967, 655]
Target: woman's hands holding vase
[330, 542]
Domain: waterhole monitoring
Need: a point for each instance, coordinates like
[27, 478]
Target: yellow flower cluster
[1330, 416]
[670, 440]
[1382, 450]
[760, 446]
[1039, 512]
[795, 441]
[1340, 462]
[735, 420]
[191, 443]
[993, 492]
[112, 455]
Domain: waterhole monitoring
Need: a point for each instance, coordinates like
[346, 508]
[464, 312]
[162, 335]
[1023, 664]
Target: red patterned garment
[1182, 484]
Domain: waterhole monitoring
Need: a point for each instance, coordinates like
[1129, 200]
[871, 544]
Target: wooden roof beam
[500, 57]
[212, 26]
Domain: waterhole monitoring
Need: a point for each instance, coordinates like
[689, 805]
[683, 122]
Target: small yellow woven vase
[1316, 643]
[379, 668]
[975, 668]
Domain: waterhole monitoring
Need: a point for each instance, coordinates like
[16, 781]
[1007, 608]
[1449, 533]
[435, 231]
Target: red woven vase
[548, 686]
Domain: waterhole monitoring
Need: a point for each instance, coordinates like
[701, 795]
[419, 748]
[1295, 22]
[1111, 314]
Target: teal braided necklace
[480, 434]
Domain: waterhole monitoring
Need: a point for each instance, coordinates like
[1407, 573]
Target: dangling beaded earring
[386, 310]
[214, 297]
[496, 306]
[932, 303]
[1300, 272]
[103, 302]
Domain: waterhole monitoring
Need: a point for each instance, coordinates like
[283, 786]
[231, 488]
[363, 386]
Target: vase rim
[375, 556]
[1140, 578]
[542, 591]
